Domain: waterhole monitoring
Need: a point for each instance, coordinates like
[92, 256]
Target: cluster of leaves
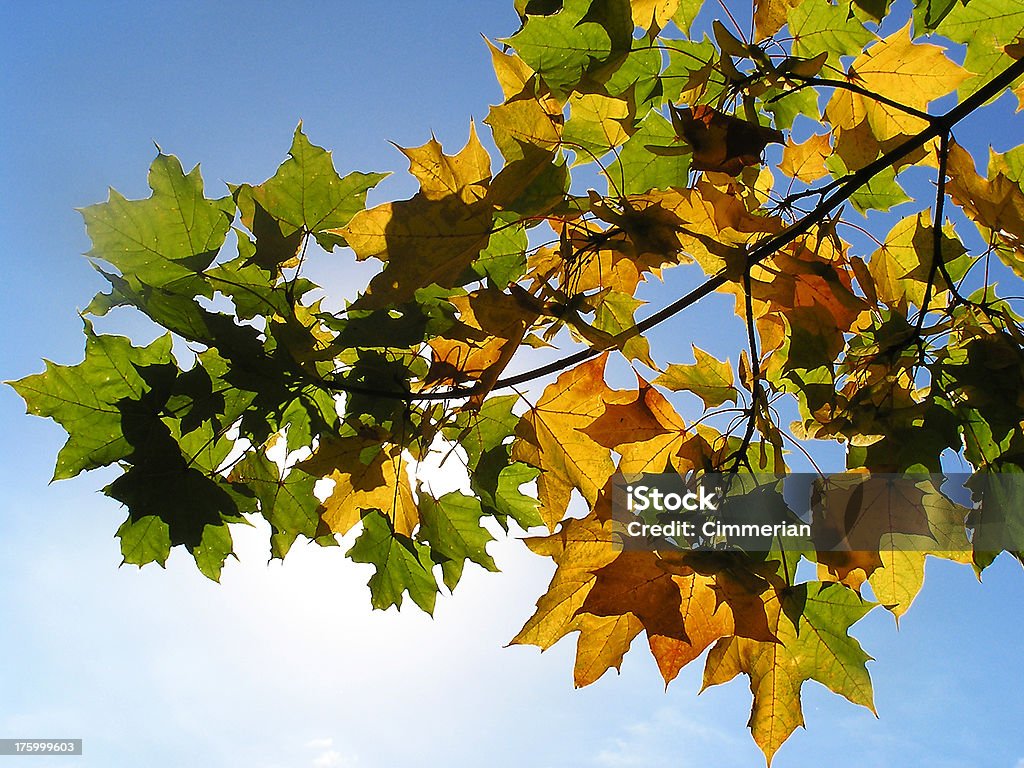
[316, 419]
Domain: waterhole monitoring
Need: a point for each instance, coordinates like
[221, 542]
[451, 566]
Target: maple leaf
[985, 27]
[307, 194]
[770, 16]
[817, 25]
[900, 267]
[286, 501]
[491, 327]
[914, 74]
[367, 475]
[578, 548]
[806, 161]
[640, 583]
[451, 524]
[721, 142]
[899, 575]
[811, 621]
[996, 204]
[169, 237]
[854, 512]
[580, 37]
[400, 565]
[646, 432]
[710, 379]
[648, 159]
[637, 421]
[602, 644]
[465, 174]
[597, 124]
[653, 15]
[422, 242]
[551, 437]
[85, 399]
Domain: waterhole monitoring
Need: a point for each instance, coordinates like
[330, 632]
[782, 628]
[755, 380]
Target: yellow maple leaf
[653, 14]
[551, 438]
[817, 648]
[578, 548]
[602, 643]
[465, 174]
[367, 474]
[912, 74]
[771, 15]
[512, 72]
[806, 161]
[423, 241]
[996, 204]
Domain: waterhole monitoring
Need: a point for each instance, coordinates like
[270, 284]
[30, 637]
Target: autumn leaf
[913, 74]
[806, 161]
[710, 379]
[721, 142]
[465, 174]
[367, 475]
[423, 242]
[770, 16]
[811, 621]
[996, 204]
[578, 548]
[551, 437]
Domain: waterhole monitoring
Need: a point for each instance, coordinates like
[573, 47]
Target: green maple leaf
[984, 26]
[615, 315]
[708, 378]
[172, 504]
[564, 46]
[503, 261]
[169, 237]
[307, 194]
[638, 78]
[879, 193]
[818, 26]
[402, 565]
[253, 291]
[173, 490]
[451, 526]
[686, 14]
[651, 159]
[85, 398]
[286, 502]
[929, 13]
[494, 477]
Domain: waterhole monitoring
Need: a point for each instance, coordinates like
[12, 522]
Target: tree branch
[938, 126]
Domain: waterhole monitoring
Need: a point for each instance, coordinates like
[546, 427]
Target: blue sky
[286, 665]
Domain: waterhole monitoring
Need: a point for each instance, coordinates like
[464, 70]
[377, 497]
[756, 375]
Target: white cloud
[328, 759]
[656, 740]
